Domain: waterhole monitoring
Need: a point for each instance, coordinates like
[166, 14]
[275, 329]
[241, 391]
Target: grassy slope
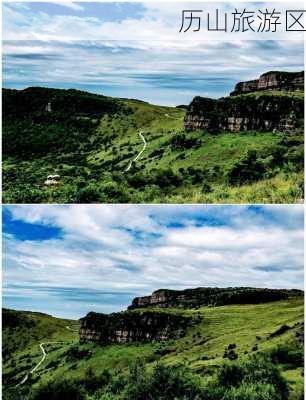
[160, 124]
[120, 143]
[244, 325]
[21, 343]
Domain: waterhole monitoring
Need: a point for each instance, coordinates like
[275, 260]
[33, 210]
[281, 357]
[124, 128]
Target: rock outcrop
[128, 326]
[190, 298]
[238, 113]
[272, 80]
[260, 111]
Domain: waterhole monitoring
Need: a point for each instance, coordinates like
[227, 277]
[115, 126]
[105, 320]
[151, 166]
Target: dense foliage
[231, 352]
[257, 378]
[30, 130]
[89, 140]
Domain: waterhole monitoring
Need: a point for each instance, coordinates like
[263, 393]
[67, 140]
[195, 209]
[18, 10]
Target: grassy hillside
[21, 334]
[90, 145]
[226, 343]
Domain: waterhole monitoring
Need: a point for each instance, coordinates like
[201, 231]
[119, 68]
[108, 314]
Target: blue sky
[69, 260]
[140, 56]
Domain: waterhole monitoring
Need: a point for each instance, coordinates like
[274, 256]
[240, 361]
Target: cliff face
[190, 298]
[129, 327]
[244, 111]
[273, 80]
[241, 113]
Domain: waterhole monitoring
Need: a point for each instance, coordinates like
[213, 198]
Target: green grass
[247, 326]
[20, 348]
[100, 158]
[282, 188]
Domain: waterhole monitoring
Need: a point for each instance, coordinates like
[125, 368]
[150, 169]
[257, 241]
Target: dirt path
[44, 355]
[139, 154]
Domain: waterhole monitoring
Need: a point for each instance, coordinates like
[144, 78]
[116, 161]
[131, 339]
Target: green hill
[233, 352]
[90, 140]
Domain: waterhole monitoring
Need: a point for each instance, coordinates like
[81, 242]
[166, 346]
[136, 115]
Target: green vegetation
[213, 296]
[89, 141]
[232, 352]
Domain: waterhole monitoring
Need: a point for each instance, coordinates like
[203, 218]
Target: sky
[68, 260]
[134, 50]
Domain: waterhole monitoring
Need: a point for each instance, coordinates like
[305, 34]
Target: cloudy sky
[69, 260]
[135, 50]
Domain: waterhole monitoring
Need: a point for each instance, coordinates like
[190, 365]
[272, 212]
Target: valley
[244, 148]
[204, 344]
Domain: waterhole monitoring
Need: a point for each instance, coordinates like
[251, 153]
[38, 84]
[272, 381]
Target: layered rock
[190, 298]
[265, 111]
[273, 80]
[127, 327]
[240, 113]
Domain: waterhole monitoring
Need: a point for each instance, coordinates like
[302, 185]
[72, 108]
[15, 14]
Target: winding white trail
[44, 355]
[170, 116]
[72, 329]
[139, 154]
[140, 133]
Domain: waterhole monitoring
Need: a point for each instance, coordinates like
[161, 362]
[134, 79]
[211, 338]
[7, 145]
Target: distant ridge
[202, 296]
[272, 80]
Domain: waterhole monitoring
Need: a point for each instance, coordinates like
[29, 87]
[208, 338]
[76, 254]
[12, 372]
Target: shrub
[180, 142]
[76, 353]
[247, 169]
[89, 194]
[93, 382]
[283, 329]
[206, 188]
[286, 354]
[166, 178]
[257, 370]
[166, 383]
[230, 375]
[260, 369]
[58, 390]
[232, 355]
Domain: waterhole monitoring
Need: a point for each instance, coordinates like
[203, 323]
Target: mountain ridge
[238, 149]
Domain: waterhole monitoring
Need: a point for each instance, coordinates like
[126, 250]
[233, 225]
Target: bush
[58, 390]
[180, 142]
[89, 194]
[232, 355]
[166, 178]
[257, 370]
[75, 353]
[247, 169]
[93, 382]
[285, 354]
[206, 188]
[260, 369]
[164, 383]
[230, 375]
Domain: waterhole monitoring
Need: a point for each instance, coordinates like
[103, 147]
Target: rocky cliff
[273, 80]
[263, 110]
[266, 112]
[132, 326]
[190, 298]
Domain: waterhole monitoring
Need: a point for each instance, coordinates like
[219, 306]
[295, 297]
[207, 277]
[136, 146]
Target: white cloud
[138, 249]
[158, 21]
[163, 73]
